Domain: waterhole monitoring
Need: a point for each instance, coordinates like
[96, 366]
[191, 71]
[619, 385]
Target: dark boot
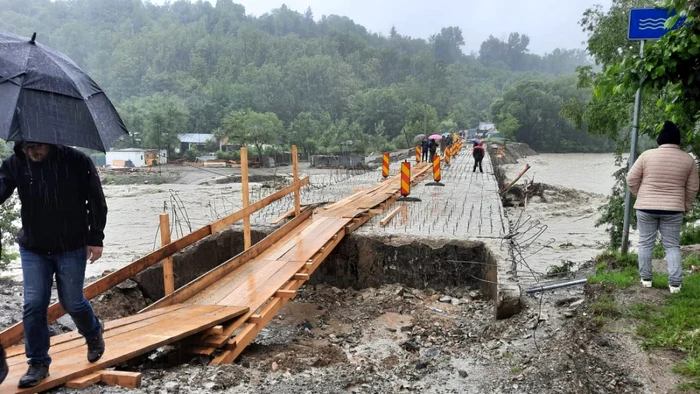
[34, 375]
[96, 346]
[3, 365]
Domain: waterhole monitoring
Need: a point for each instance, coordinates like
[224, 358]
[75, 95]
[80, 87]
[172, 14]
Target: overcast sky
[549, 23]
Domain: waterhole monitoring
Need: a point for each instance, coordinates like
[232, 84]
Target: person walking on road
[478, 153]
[433, 150]
[63, 218]
[665, 181]
[425, 150]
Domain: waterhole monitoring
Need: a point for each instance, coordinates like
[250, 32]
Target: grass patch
[515, 370]
[675, 325]
[620, 278]
[658, 252]
[605, 306]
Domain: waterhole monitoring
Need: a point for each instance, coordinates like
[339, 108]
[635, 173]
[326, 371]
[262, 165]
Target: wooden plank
[386, 219]
[301, 276]
[71, 365]
[246, 196]
[198, 285]
[168, 276]
[18, 351]
[286, 293]
[295, 169]
[128, 380]
[85, 381]
[79, 341]
[200, 350]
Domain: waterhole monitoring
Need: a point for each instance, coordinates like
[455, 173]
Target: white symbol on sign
[652, 23]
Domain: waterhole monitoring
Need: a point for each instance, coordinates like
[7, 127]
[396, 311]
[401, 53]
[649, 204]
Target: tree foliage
[203, 62]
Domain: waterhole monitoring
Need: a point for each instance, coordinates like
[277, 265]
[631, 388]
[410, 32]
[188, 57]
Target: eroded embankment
[358, 262]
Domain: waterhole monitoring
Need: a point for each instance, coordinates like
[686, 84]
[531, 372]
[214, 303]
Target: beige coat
[664, 179]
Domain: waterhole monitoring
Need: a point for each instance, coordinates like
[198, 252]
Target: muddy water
[133, 218]
[567, 219]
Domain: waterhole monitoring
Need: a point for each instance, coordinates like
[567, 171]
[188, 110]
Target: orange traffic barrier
[448, 153]
[405, 178]
[436, 169]
[385, 166]
[418, 153]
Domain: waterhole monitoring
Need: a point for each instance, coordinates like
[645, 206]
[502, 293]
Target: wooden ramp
[222, 311]
[124, 338]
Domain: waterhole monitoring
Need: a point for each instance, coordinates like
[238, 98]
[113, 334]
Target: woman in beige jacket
[665, 181]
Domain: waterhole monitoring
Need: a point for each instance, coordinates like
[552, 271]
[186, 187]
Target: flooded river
[567, 219]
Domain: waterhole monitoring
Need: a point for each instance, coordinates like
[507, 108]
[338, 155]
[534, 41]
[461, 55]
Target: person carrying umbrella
[64, 211]
[433, 148]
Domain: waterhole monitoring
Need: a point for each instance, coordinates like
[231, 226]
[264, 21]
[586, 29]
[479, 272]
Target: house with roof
[199, 141]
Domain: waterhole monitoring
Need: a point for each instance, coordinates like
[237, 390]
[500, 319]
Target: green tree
[252, 128]
[421, 119]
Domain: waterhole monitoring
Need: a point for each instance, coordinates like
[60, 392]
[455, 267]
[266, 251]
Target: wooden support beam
[295, 168]
[85, 381]
[200, 350]
[286, 293]
[390, 216]
[128, 380]
[254, 319]
[246, 197]
[301, 276]
[216, 330]
[168, 275]
[125, 379]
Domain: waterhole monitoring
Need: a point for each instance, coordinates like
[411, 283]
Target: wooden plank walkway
[124, 338]
[244, 293]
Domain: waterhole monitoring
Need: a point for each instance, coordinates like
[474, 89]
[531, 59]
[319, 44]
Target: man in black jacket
[63, 218]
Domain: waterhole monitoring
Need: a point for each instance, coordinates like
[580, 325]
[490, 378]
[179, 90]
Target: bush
[690, 235]
[221, 155]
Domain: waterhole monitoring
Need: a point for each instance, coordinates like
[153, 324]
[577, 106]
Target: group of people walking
[429, 151]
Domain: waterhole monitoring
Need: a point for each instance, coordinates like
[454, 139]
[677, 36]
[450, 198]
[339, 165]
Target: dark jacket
[478, 152]
[433, 147]
[63, 207]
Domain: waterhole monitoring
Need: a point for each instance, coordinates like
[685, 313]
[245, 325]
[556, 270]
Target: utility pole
[633, 154]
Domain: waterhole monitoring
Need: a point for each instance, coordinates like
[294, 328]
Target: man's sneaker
[96, 346]
[674, 289]
[3, 365]
[646, 283]
[34, 375]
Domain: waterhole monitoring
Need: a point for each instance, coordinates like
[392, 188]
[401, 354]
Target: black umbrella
[45, 97]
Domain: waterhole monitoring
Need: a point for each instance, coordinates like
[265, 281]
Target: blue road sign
[648, 23]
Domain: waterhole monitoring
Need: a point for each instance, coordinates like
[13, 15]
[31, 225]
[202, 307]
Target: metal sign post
[645, 24]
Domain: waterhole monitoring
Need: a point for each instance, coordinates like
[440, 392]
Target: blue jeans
[670, 228]
[38, 271]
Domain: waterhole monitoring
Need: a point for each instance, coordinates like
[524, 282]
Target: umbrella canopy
[445, 135]
[435, 137]
[47, 98]
[418, 138]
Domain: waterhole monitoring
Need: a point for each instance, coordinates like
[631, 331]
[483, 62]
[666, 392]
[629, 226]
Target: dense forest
[290, 77]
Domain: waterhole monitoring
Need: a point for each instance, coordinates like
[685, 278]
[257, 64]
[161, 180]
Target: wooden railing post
[246, 198]
[297, 192]
[168, 276]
